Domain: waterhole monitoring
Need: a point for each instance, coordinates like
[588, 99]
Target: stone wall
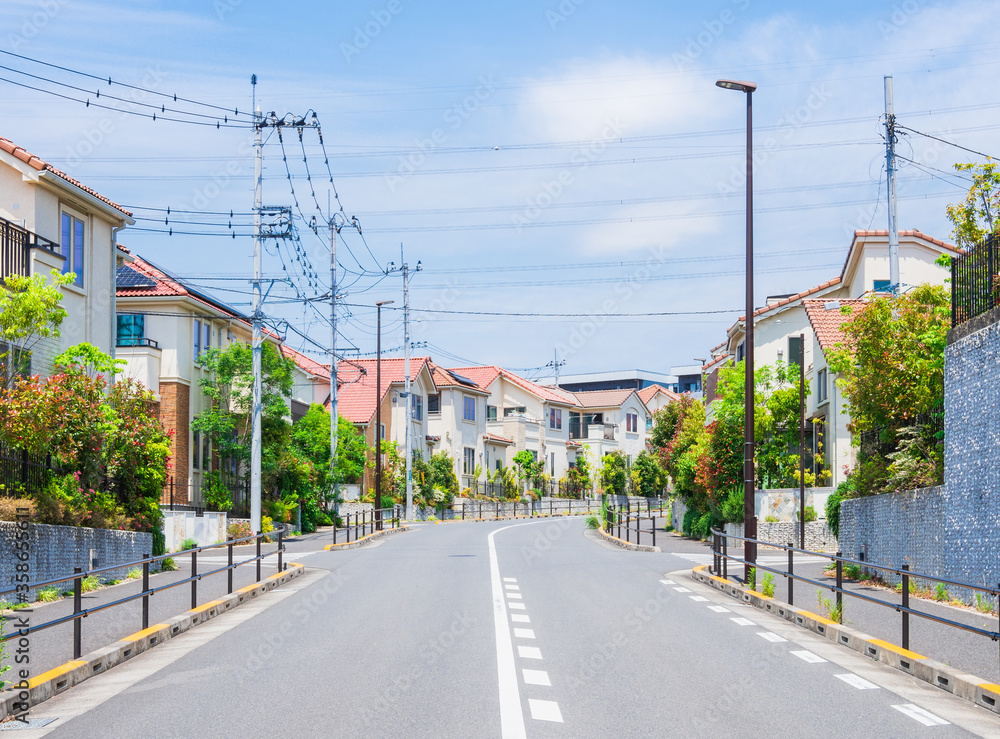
[53, 551]
[819, 538]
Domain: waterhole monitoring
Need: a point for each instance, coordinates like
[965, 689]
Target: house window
[469, 412]
[434, 403]
[519, 410]
[649, 424]
[632, 423]
[795, 351]
[197, 339]
[417, 411]
[131, 329]
[196, 451]
[206, 453]
[881, 286]
[468, 460]
[381, 432]
[740, 352]
[207, 339]
[821, 385]
[555, 418]
[73, 246]
[552, 464]
[491, 413]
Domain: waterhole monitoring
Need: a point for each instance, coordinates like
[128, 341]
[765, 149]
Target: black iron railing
[23, 474]
[16, 243]
[975, 287]
[21, 591]
[721, 559]
[631, 518]
[365, 523]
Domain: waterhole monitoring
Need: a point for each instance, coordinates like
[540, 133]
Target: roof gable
[827, 317]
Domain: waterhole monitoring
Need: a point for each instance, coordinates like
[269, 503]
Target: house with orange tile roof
[51, 221]
[610, 420]
[784, 332]
[655, 397]
[456, 418]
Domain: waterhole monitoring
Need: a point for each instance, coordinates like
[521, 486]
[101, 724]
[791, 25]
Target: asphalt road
[503, 630]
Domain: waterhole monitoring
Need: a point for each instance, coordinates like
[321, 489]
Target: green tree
[648, 476]
[978, 215]
[614, 473]
[30, 310]
[311, 436]
[529, 470]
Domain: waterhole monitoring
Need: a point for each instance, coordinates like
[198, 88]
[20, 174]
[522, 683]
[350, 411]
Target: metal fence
[180, 494]
[881, 442]
[23, 474]
[974, 281]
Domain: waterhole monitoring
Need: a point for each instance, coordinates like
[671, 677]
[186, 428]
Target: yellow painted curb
[210, 604]
[140, 635]
[816, 617]
[897, 650]
[54, 673]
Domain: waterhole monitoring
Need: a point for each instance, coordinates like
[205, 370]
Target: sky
[537, 159]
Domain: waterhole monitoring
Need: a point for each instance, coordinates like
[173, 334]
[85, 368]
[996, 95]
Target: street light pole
[378, 415]
[749, 478]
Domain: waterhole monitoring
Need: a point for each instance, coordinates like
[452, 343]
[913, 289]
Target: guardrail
[367, 522]
[633, 519]
[721, 557]
[78, 576]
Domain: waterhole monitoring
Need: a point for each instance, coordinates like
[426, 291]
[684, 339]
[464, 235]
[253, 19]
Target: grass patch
[48, 595]
[188, 543]
[90, 583]
[135, 574]
[168, 565]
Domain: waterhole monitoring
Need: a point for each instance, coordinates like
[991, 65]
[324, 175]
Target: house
[49, 220]
[655, 397]
[456, 419]
[608, 421]
[785, 332]
[310, 382]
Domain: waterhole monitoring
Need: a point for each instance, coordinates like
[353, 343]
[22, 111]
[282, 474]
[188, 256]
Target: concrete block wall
[53, 551]
[208, 528]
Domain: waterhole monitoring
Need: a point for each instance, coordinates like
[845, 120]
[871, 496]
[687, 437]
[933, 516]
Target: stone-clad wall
[53, 551]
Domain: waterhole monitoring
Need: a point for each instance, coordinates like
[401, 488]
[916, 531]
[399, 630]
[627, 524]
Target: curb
[626, 544]
[956, 682]
[364, 539]
[72, 673]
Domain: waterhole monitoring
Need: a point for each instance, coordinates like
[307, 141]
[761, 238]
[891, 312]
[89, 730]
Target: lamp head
[740, 85]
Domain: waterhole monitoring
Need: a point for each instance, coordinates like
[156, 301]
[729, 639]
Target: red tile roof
[485, 375]
[356, 398]
[167, 286]
[309, 364]
[497, 439]
[32, 161]
[647, 393]
[602, 398]
[913, 232]
[443, 378]
[826, 322]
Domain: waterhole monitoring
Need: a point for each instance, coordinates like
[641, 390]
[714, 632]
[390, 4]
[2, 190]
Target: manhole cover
[31, 723]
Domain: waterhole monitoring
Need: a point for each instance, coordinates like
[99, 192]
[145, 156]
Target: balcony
[16, 244]
[134, 341]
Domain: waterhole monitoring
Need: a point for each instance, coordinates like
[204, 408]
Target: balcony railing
[16, 243]
[125, 341]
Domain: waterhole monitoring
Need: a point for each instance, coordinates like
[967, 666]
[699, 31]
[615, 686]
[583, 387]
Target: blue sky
[544, 157]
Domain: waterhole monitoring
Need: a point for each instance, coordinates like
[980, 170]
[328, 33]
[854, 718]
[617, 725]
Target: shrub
[388, 501]
[90, 583]
[167, 564]
[215, 494]
[135, 574]
[982, 604]
[810, 514]
[752, 579]
[731, 506]
[768, 586]
[770, 519]
[853, 572]
[159, 542]
[49, 594]
[266, 525]
[239, 530]
[844, 490]
[941, 593]
[9, 508]
[592, 522]
[189, 543]
[3, 654]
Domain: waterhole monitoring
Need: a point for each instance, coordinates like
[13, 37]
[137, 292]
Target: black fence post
[145, 590]
[281, 547]
[229, 572]
[906, 605]
[840, 586]
[194, 578]
[652, 523]
[725, 556]
[77, 607]
[171, 492]
[791, 569]
[259, 537]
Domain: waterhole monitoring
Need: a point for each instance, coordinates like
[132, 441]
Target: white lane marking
[771, 636]
[529, 652]
[740, 621]
[536, 677]
[545, 711]
[919, 714]
[668, 582]
[856, 681]
[517, 606]
[508, 586]
[510, 579]
[511, 716]
[524, 633]
[719, 609]
[514, 596]
[520, 618]
[681, 590]
[806, 656]
[698, 598]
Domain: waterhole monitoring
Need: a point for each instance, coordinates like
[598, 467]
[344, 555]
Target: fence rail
[20, 591]
[721, 559]
[633, 517]
[16, 243]
[367, 522]
[22, 474]
[975, 287]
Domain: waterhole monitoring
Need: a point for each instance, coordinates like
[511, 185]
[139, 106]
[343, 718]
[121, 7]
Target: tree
[648, 477]
[614, 473]
[311, 436]
[30, 310]
[529, 470]
[978, 215]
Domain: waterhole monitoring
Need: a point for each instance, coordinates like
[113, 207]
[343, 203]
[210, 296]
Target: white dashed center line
[529, 652]
[719, 609]
[536, 677]
[856, 681]
[681, 590]
[806, 656]
[514, 596]
[520, 618]
[739, 621]
[771, 636]
[524, 633]
[516, 606]
[545, 710]
[698, 598]
[919, 714]
[668, 582]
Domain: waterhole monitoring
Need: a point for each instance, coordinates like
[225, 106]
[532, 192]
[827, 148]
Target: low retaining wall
[205, 528]
[819, 538]
[53, 551]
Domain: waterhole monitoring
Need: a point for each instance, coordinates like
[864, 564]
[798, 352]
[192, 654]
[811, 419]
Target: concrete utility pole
[408, 394]
[890, 168]
[333, 352]
[255, 447]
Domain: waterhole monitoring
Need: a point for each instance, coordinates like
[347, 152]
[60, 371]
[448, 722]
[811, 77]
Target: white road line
[806, 656]
[517, 606]
[668, 582]
[524, 633]
[740, 621]
[919, 714]
[719, 609]
[545, 711]
[536, 677]
[514, 596]
[856, 681]
[771, 636]
[529, 652]
[698, 598]
[520, 618]
[510, 579]
[511, 716]
[681, 590]
[508, 586]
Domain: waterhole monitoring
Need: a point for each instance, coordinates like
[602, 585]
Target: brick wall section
[175, 412]
[53, 551]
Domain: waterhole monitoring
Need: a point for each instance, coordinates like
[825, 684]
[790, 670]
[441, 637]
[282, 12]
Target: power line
[944, 141]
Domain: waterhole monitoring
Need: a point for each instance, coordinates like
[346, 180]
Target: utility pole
[334, 418]
[555, 364]
[404, 269]
[890, 168]
[255, 444]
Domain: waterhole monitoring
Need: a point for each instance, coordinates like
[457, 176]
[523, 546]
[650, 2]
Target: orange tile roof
[443, 378]
[32, 161]
[167, 286]
[912, 232]
[485, 375]
[497, 439]
[602, 398]
[356, 397]
[309, 364]
[827, 323]
[647, 393]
